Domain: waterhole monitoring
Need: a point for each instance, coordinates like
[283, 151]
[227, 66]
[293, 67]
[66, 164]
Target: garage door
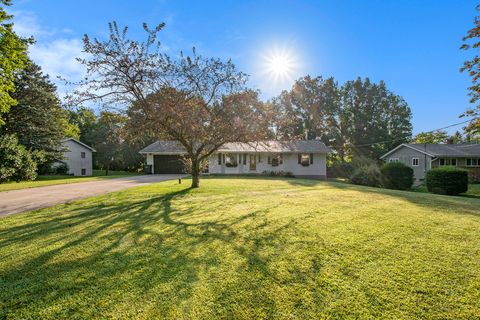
[167, 164]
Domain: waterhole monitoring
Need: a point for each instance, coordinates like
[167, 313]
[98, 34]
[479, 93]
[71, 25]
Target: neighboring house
[78, 157]
[422, 157]
[305, 158]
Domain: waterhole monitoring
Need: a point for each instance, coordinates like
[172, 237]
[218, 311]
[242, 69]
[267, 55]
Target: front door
[253, 162]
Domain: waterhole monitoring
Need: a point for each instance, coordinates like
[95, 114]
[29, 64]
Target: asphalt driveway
[16, 201]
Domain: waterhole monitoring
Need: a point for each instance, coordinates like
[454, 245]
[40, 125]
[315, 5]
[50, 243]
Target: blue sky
[412, 45]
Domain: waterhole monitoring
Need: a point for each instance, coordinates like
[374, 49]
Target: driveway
[16, 201]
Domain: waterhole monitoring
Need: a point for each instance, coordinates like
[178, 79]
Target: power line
[392, 140]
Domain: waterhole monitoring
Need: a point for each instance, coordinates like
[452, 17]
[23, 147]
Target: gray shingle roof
[309, 146]
[446, 150]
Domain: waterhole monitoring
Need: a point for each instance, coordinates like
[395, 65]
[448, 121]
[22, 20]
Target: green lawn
[46, 180]
[245, 248]
[473, 190]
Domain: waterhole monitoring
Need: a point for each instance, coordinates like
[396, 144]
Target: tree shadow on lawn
[79, 262]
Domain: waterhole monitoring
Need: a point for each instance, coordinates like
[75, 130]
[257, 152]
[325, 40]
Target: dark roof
[80, 143]
[310, 146]
[448, 149]
[442, 150]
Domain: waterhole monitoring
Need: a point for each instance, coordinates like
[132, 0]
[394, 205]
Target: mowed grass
[48, 180]
[244, 248]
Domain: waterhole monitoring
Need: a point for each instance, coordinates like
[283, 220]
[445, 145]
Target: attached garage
[168, 164]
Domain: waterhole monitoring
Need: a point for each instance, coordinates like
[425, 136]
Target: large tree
[472, 42]
[439, 136]
[200, 102]
[13, 57]
[38, 120]
[357, 118]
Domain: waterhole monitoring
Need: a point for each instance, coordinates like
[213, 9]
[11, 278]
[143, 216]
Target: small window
[311, 158]
[219, 158]
[393, 160]
[244, 158]
[415, 162]
[82, 155]
[231, 160]
[84, 172]
[259, 158]
[269, 160]
[472, 162]
[276, 160]
[305, 159]
[448, 162]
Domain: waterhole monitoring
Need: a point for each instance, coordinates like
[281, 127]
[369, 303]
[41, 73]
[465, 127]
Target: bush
[340, 170]
[61, 169]
[277, 173]
[367, 175]
[16, 162]
[396, 175]
[447, 180]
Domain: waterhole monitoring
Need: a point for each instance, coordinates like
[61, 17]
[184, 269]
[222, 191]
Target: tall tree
[358, 118]
[472, 42]
[13, 57]
[431, 137]
[199, 102]
[39, 121]
[85, 120]
[107, 138]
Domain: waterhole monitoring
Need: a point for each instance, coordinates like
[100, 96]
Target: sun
[280, 66]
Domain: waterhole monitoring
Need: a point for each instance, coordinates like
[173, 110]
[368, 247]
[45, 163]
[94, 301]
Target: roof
[442, 150]
[309, 146]
[80, 143]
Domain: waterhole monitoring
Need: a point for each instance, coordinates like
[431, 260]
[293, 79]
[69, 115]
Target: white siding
[73, 158]
[290, 164]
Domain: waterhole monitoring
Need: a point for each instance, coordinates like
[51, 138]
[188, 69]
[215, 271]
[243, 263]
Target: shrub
[396, 175]
[61, 169]
[447, 180]
[16, 162]
[277, 173]
[367, 175]
[340, 170]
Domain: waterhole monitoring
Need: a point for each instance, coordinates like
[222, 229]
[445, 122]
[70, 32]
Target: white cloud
[54, 50]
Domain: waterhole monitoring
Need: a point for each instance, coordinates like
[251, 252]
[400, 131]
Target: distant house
[423, 157]
[300, 158]
[78, 157]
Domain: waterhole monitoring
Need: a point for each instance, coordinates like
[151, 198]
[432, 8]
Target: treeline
[357, 118]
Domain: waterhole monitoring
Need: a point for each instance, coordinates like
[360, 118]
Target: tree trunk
[195, 174]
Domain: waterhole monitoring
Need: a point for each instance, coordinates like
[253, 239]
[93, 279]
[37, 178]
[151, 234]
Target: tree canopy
[200, 102]
[13, 57]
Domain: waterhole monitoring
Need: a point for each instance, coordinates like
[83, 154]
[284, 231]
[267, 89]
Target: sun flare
[280, 66]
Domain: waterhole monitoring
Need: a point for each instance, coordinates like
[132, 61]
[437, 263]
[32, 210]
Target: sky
[411, 45]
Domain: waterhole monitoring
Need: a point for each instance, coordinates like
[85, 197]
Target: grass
[48, 180]
[473, 190]
[244, 248]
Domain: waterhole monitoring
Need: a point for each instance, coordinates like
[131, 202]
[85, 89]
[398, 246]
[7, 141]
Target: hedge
[396, 175]
[447, 180]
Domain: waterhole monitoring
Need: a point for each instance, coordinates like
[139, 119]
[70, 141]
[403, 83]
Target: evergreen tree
[39, 121]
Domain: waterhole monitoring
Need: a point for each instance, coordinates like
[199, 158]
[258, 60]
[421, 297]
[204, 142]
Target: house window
[472, 162]
[393, 160]
[231, 160]
[82, 155]
[305, 159]
[415, 162]
[448, 162]
[219, 158]
[275, 160]
[244, 158]
[259, 158]
[84, 172]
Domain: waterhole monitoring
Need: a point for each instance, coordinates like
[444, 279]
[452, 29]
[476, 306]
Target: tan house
[424, 156]
[304, 158]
